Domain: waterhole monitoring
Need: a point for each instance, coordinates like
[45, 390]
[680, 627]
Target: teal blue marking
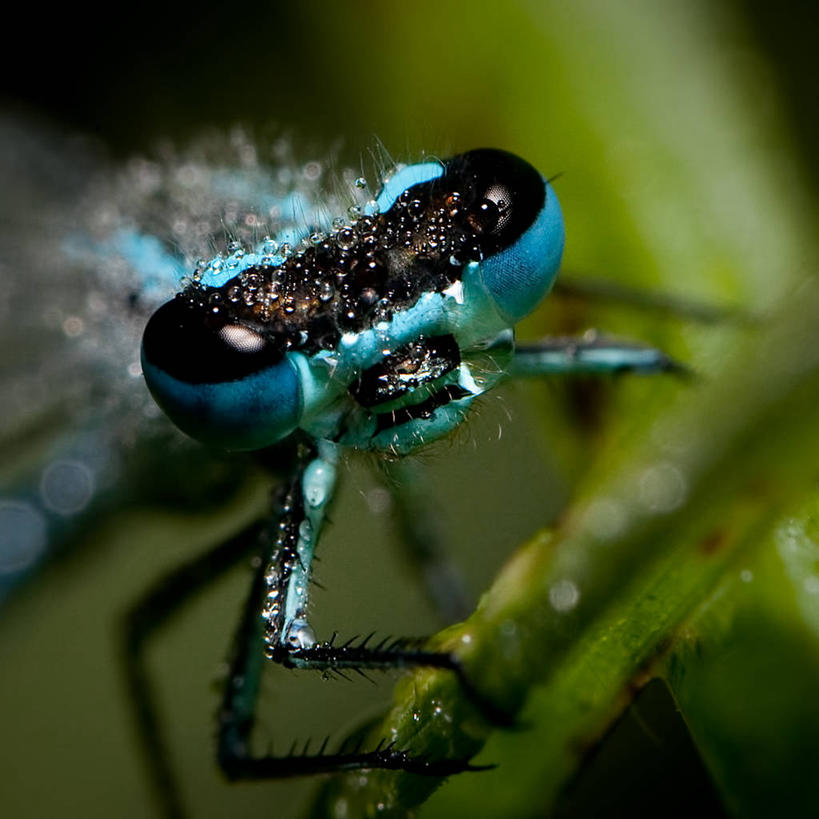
[404, 179]
[220, 271]
[520, 276]
[575, 359]
[318, 484]
[251, 413]
[158, 271]
[413, 435]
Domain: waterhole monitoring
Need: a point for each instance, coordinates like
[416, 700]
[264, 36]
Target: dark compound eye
[222, 382]
[502, 195]
[198, 347]
[516, 226]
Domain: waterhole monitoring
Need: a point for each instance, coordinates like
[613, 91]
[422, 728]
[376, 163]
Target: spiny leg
[280, 592]
[146, 617]
[422, 541]
[589, 354]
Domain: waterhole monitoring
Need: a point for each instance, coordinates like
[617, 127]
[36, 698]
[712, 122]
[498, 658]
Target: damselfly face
[382, 333]
[376, 335]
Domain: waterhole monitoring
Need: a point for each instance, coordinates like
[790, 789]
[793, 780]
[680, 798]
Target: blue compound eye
[517, 224]
[222, 382]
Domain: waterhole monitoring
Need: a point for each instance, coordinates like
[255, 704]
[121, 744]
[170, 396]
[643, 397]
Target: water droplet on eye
[360, 182]
[365, 226]
[564, 595]
[346, 238]
[305, 530]
[253, 281]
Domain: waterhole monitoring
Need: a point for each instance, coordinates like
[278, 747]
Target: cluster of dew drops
[290, 283]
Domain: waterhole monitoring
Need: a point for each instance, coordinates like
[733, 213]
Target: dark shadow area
[173, 69]
[788, 33]
[646, 765]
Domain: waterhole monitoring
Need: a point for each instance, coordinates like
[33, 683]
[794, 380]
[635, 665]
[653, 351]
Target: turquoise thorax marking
[468, 313]
[405, 178]
[318, 483]
[522, 274]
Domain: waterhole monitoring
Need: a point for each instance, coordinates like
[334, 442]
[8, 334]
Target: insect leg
[422, 543]
[606, 291]
[146, 617]
[589, 354]
[279, 591]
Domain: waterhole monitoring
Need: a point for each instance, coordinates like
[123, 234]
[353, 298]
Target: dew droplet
[564, 595]
[662, 487]
[66, 487]
[346, 238]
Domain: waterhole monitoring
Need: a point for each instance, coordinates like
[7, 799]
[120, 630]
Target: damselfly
[304, 338]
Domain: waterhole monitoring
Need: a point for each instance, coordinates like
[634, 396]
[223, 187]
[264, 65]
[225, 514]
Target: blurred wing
[87, 251]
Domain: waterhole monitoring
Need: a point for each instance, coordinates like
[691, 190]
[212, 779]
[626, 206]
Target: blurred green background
[685, 133]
